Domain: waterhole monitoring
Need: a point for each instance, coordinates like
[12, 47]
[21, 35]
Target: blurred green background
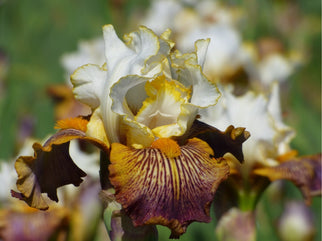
[35, 34]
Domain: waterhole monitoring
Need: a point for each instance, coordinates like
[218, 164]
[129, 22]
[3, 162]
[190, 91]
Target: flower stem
[247, 200]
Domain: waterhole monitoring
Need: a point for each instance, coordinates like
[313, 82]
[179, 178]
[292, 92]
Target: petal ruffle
[304, 172]
[143, 54]
[89, 83]
[154, 188]
[164, 111]
[186, 69]
[128, 94]
[161, 110]
[135, 55]
[51, 167]
[201, 47]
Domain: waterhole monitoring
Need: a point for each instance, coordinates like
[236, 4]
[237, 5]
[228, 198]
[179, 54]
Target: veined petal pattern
[156, 188]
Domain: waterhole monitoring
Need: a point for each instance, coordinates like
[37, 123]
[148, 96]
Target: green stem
[251, 193]
[247, 200]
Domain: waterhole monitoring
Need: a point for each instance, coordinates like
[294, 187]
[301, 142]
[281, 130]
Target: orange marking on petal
[168, 146]
[72, 123]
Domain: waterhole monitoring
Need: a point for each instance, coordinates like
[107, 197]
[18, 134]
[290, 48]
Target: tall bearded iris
[267, 157]
[144, 101]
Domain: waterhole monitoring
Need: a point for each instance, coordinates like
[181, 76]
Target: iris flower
[144, 100]
[268, 155]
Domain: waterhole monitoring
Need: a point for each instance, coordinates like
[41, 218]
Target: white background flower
[261, 116]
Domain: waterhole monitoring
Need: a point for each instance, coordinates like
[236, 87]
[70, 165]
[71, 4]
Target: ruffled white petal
[201, 47]
[128, 94]
[121, 90]
[162, 110]
[189, 73]
[89, 82]
[139, 55]
[130, 57]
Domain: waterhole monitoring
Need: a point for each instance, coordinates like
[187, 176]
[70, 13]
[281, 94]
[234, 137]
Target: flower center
[163, 104]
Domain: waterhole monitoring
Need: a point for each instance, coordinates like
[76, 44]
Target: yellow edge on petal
[168, 97]
[190, 61]
[50, 168]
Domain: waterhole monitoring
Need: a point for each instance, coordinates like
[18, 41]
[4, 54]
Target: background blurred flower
[230, 59]
[266, 61]
[267, 153]
[201, 20]
[237, 225]
[7, 177]
[65, 104]
[89, 51]
[261, 115]
[296, 223]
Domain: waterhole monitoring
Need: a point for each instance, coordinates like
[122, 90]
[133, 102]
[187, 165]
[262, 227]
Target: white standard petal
[167, 111]
[130, 58]
[186, 70]
[201, 47]
[128, 95]
[89, 82]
